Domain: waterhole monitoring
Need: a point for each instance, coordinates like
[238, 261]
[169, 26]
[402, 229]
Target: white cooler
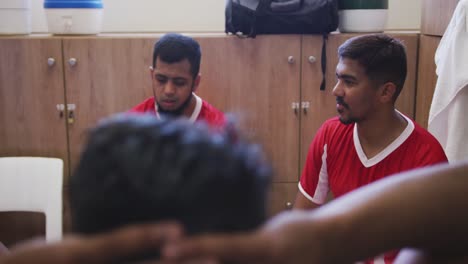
[15, 17]
[76, 17]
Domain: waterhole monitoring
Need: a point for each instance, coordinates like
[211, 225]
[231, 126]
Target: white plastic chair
[33, 184]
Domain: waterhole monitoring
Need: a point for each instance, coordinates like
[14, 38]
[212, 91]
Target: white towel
[448, 116]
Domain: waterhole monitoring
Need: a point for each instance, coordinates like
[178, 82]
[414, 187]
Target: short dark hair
[138, 169]
[383, 58]
[172, 48]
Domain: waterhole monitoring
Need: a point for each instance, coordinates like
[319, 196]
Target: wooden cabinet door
[110, 75]
[407, 99]
[282, 197]
[436, 15]
[321, 103]
[258, 79]
[30, 89]
[30, 124]
[427, 78]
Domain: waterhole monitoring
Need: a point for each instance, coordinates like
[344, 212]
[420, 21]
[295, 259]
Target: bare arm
[105, 248]
[426, 208]
[3, 249]
[303, 203]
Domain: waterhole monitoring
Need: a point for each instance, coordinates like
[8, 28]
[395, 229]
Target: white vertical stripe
[197, 109]
[379, 260]
[322, 189]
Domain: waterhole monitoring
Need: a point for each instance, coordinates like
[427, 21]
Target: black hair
[172, 48]
[138, 169]
[383, 58]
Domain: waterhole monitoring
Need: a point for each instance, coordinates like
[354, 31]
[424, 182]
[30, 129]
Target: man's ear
[387, 92]
[151, 70]
[196, 82]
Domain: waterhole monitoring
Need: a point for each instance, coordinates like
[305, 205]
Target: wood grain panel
[30, 124]
[407, 98]
[436, 15]
[322, 103]
[427, 78]
[282, 197]
[253, 79]
[67, 219]
[111, 76]
[16, 227]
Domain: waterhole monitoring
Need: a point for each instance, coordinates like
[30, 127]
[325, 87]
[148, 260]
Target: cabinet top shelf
[156, 35]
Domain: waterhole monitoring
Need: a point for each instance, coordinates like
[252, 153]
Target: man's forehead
[350, 67]
[180, 69]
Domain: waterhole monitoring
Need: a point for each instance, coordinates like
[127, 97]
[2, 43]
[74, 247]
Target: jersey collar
[195, 113]
[387, 150]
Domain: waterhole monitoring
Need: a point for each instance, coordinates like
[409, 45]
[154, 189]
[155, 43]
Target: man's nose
[337, 90]
[169, 88]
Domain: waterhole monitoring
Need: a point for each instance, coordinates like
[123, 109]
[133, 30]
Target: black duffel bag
[252, 17]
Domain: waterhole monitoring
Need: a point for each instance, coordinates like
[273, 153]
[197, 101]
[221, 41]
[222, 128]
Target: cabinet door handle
[289, 205]
[60, 109]
[72, 62]
[305, 107]
[291, 59]
[51, 62]
[295, 107]
[312, 59]
[71, 113]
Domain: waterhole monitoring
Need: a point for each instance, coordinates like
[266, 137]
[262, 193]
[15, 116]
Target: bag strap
[324, 62]
[262, 6]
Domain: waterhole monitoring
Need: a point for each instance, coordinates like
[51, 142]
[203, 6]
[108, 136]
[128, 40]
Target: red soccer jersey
[203, 111]
[336, 162]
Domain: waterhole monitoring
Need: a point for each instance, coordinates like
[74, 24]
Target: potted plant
[362, 15]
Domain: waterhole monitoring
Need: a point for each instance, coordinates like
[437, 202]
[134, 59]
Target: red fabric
[345, 171]
[208, 113]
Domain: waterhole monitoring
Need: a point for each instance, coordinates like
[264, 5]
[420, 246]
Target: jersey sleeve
[314, 179]
[431, 153]
[144, 107]
[428, 151]
[212, 116]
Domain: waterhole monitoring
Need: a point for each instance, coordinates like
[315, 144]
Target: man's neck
[381, 130]
[190, 107]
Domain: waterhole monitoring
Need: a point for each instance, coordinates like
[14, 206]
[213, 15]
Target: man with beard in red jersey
[175, 78]
[369, 139]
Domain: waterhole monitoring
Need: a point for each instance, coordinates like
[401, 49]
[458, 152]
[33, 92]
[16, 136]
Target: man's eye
[179, 83]
[161, 80]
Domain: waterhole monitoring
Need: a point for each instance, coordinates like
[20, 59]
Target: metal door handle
[72, 62]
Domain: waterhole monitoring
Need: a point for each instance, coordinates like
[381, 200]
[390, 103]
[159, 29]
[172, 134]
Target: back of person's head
[383, 58]
[138, 169]
[172, 48]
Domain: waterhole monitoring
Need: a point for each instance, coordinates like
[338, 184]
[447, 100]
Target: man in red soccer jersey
[369, 139]
[175, 78]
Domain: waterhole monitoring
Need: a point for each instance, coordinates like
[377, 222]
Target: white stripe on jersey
[321, 192]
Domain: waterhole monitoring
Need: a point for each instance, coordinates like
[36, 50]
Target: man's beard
[176, 112]
[350, 120]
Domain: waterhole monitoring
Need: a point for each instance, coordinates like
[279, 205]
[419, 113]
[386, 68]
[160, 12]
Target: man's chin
[346, 121]
[169, 112]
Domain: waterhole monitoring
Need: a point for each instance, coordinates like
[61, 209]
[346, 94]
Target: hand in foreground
[276, 242]
[105, 248]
